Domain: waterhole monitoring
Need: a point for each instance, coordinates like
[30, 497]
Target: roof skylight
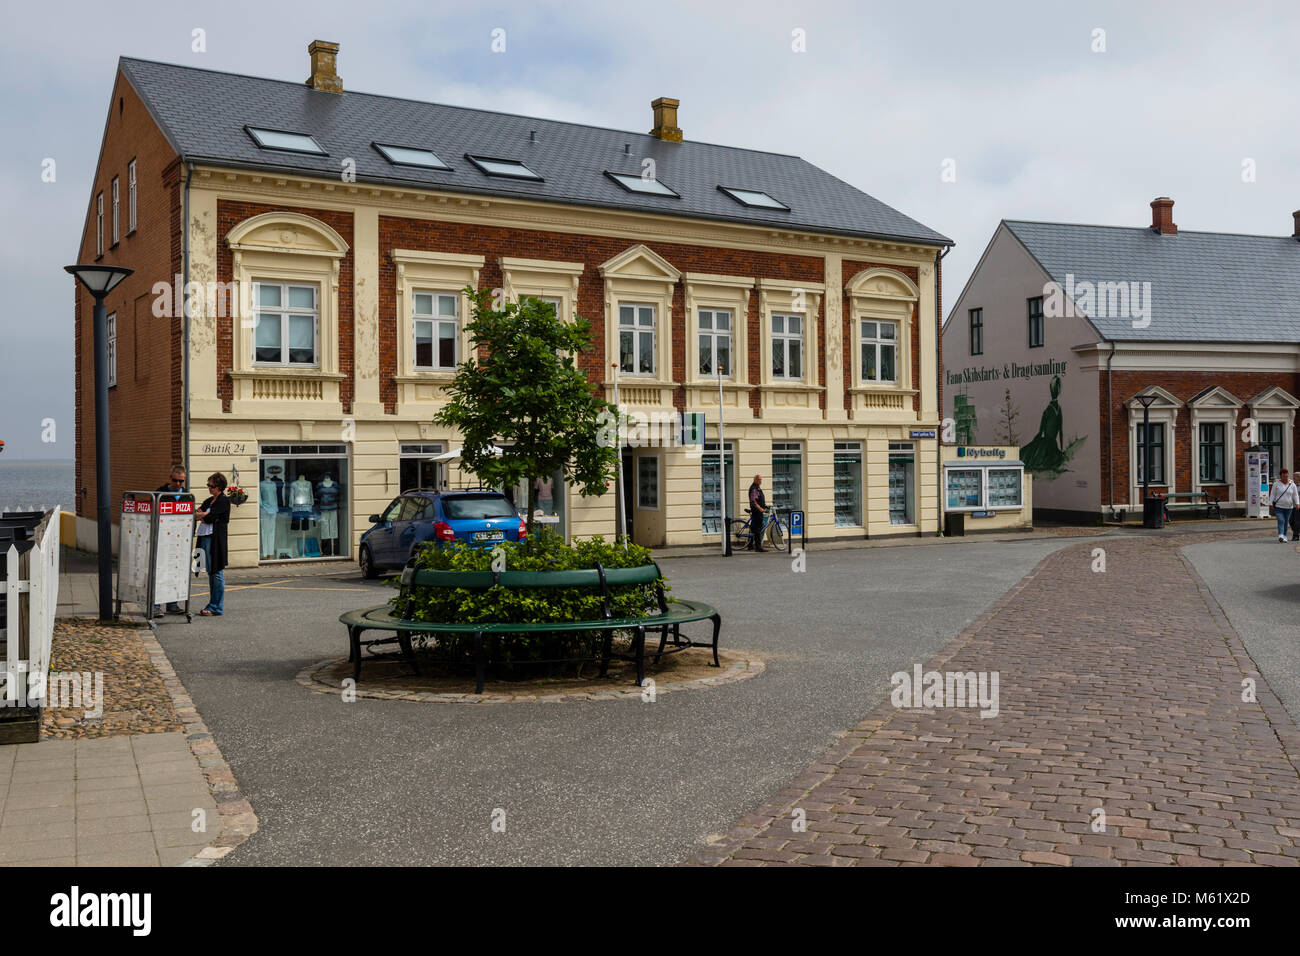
[754, 197]
[410, 156]
[648, 186]
[285, 142]
[506, 168]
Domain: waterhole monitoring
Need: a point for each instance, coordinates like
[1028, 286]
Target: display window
[416, 470]
[848, 484]
[302, 502]
[711, 491]
[902, 482]
[974, 489]
[787, 476]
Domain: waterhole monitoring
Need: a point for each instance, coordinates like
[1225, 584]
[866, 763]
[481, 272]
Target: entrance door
[629, 492]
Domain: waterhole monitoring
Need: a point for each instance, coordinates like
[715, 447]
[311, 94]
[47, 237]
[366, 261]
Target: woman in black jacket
[215, 514]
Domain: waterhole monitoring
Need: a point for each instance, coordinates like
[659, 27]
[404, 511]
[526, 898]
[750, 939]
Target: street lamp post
[1148, 521]
[99, 281]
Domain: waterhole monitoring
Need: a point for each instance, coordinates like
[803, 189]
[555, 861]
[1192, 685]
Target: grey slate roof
[1205, 286]
[204, 112]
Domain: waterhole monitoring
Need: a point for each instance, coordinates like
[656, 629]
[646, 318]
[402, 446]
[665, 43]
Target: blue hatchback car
[481, 518]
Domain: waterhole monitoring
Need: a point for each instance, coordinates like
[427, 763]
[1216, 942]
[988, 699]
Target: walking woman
[214, 519]
[1283, 498]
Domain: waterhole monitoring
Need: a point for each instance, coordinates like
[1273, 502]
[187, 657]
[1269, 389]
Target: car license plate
[489, 535]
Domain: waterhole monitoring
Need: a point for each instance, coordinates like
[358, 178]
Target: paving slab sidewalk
[1122, 738]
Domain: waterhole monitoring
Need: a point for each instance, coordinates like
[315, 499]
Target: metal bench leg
[663, 639]
[404, 639]
[479, 662]
[640, 655]
[717, 626]
[605, 652]
[354, 636]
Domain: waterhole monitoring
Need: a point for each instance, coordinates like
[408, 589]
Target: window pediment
[1215, 397]
[1274, 398]
[286, 232]
[882, 284]
[640, 262]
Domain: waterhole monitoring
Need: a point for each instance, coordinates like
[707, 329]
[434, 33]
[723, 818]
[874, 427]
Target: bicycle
[778, 535]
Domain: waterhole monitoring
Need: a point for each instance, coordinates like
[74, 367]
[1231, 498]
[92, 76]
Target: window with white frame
[287, 323]
[715, 342]
[117, 208]
[879, 351]
[1270, 438]
[553, 301]
[436, 323]
[787, 346]
[99, 224]
[112, 349]
[1157, 453]
[636, 339]
[647, 482]
[1212, 446]
[130, 197]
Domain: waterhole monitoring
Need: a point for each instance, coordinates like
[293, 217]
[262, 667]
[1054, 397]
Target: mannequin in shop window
[301, 507]
[268, 505]
[545, 488]
[327, 499]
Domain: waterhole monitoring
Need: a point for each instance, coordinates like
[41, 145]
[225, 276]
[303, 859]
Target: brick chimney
[324, 68]
[666, 127]
[1162, 216]
[1295, 216]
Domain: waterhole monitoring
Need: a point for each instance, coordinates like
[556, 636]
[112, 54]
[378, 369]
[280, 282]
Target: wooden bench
[1193, 499]
[670, 618]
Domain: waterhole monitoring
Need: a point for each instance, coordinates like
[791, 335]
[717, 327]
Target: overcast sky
[1037, 123]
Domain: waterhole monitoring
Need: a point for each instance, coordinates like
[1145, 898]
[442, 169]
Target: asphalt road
[1257, 583]
[600, 782]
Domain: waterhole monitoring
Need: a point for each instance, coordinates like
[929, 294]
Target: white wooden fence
[32, 585]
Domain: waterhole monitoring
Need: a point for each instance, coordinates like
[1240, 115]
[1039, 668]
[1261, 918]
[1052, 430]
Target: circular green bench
[668, 621]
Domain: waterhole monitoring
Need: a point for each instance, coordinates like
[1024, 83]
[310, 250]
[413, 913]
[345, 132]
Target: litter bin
[1153, 512]
[954, 523]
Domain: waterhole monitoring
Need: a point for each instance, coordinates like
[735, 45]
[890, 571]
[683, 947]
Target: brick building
[1062, 327]
[296, 309]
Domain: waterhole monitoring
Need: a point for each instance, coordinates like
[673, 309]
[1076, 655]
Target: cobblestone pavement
[1121, 738]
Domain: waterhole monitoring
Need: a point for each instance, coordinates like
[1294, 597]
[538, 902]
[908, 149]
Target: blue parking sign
[796, 522]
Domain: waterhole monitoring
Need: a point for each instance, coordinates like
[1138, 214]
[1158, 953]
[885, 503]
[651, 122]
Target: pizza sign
[175, 507]
[132, 507]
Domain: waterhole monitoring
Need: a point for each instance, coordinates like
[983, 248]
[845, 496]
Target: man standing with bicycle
[757, 511]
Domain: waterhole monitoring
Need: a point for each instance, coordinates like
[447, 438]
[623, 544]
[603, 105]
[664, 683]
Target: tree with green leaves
[520, 390]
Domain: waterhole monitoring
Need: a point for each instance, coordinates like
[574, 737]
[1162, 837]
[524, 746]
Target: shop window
[1005, 486]
[1211, 452]
[302, 502]
[879, 351]
[415, 470]
[848, 484]
[964, 488]
[902, 482]
[787, 475]
[437, 324]
[787, 346]
[287, 324]
[712, 491]
[636, 339]
[647, 482]
[1157, 453]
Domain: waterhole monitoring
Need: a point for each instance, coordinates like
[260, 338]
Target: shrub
[544, 551]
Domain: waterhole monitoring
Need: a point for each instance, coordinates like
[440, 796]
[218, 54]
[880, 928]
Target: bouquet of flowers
[236, 494]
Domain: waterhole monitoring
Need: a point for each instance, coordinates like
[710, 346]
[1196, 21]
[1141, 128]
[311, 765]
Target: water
[36, 485]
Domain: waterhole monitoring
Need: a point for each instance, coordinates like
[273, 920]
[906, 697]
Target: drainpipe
[938, 361]
[1110, 431]
[185, 324]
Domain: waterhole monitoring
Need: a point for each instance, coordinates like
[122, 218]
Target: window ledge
[627, 380]
[881, 389]
[426, 376]
[727, 383]
[262, 372]
[795, 386]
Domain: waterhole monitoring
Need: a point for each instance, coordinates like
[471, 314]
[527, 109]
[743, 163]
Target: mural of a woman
[1048, 454]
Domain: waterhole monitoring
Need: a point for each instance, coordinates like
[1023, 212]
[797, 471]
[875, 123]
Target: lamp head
[98, 280]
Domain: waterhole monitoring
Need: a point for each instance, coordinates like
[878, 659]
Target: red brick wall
[145, 407]
[231, 214]
[1126, 384]
[493, 242]
[850, 270]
